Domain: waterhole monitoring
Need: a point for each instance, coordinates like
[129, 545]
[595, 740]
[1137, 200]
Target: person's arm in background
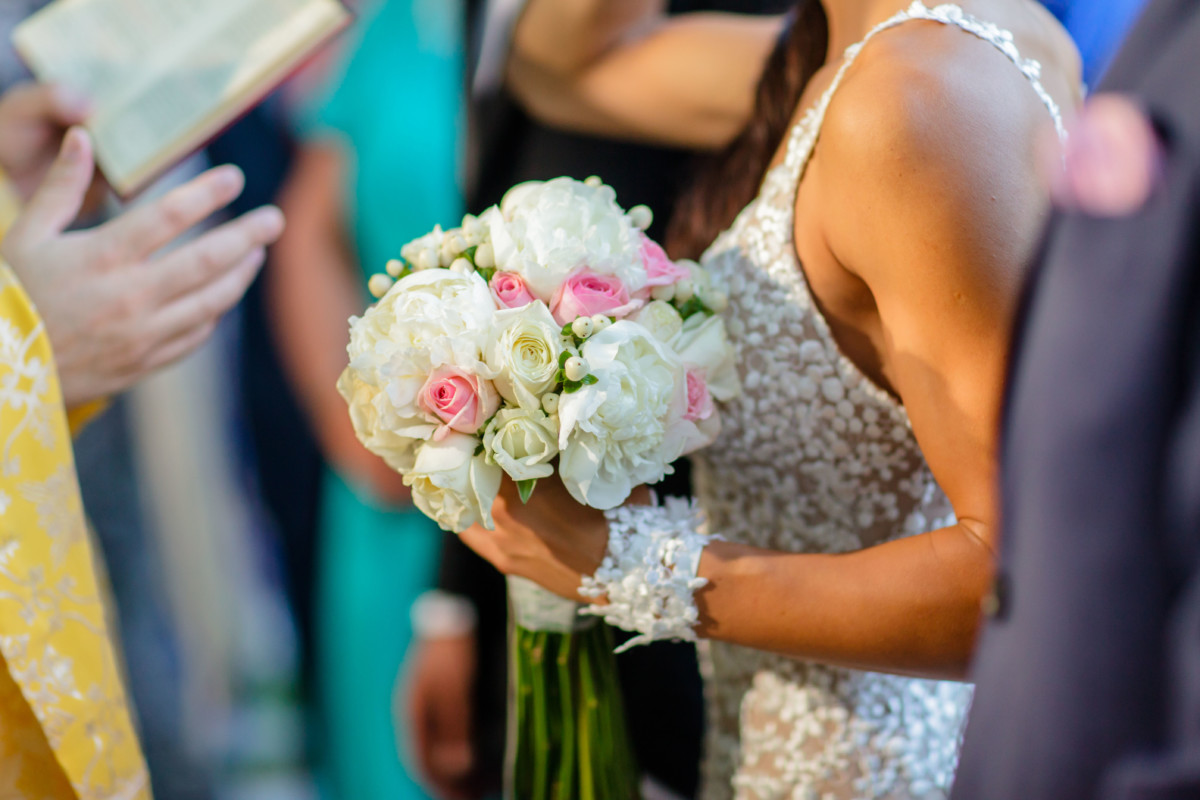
[315, 289]
[624, 69]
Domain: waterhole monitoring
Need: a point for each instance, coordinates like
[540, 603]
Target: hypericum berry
[583, 327]
[485, 256]
[576, 369]
[395, 267]
[600, 323]
[717, 300]
[379, 285]
[641, 217]
[550, 403]
[664, 293]
[428, 259]
[684, 290]
[594, 181]
[462, 266]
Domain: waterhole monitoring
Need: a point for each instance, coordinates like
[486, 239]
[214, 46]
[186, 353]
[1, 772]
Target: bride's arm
[621, 68]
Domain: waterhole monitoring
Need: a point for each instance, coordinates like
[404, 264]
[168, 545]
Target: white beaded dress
[816, 458]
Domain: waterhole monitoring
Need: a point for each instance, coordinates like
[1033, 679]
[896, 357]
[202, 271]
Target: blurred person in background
[377, 167]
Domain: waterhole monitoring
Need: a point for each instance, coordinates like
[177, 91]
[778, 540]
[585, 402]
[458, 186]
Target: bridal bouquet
[548, 335]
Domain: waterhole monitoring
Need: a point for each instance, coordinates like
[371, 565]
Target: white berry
[379, 285]
[576, 369]
[641, 217]
[583, 327]
[485, 256]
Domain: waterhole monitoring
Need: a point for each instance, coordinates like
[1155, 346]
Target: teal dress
[396, 108]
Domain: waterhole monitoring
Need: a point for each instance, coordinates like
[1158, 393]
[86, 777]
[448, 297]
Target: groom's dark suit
[1089, 675]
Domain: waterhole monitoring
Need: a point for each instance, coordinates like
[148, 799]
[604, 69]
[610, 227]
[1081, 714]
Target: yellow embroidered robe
[65, 726]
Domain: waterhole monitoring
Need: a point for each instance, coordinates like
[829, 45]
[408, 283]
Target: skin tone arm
[115, 305]
[624, 69]
[316, 288]
[901, 202]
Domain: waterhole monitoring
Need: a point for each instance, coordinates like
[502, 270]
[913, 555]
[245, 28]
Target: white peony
[453, 486]
[522, 442]
[522, 350]
[429, 319]
[660, 318]
[544, 231]
[375, 422]
[628, 427]
[704, 344]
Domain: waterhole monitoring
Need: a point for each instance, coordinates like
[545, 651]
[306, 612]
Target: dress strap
[804, 133]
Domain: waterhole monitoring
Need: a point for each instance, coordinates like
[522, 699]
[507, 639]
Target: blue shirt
[1098, 27]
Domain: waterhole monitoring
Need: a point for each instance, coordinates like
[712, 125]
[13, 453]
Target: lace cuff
[649, 571]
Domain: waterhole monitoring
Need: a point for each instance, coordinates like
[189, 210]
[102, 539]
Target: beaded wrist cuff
[649, 571]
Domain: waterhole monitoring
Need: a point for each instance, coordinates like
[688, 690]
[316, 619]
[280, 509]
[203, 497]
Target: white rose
[522, 442]
[522, 350]
[544, 231]
[628, 427]
[661, 319]
[704, 344]
[453, 486]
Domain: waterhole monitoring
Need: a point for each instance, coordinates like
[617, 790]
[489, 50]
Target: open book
[165, 76]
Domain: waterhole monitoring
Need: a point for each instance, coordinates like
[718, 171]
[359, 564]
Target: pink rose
[661, 270]
[699, 401]
[510, 290]
[462, 401]
[586, 293]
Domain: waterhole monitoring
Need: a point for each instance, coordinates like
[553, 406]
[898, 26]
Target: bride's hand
[551, 540]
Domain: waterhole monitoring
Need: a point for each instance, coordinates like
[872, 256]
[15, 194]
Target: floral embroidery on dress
[65, 729]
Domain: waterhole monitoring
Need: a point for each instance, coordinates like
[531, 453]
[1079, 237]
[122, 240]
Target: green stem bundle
[568, 736]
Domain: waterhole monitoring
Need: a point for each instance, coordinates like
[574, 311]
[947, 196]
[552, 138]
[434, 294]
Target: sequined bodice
[815, 458]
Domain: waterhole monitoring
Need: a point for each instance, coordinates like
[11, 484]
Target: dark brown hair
[728, 181]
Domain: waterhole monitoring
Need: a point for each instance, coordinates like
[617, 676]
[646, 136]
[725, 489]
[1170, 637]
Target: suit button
[995, 603]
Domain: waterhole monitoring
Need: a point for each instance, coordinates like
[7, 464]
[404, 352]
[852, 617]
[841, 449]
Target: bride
[870, 222]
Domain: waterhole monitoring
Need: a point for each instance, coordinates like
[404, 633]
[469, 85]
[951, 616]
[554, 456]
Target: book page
[165, 75]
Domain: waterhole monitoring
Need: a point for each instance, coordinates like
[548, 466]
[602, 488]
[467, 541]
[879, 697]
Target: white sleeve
[649, 573]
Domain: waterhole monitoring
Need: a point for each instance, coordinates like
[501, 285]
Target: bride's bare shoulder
[929, 99]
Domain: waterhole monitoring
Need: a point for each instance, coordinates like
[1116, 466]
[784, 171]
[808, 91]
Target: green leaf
[692, 307]
[571, 387]
[479, 450]
[590, 380]
[525, 489]
[563, 357]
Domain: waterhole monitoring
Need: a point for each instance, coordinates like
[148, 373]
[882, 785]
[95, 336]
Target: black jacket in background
[1089, 677]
